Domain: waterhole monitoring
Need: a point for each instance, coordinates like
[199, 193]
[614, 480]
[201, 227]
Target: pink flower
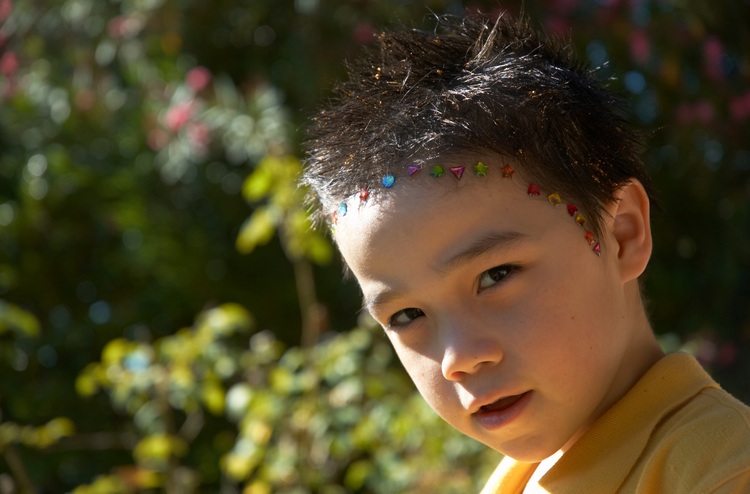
[727, 353]
[6, 6]
[557, 26]
[713, 52]
[198, 135]
[565, 6]
[640, 47]
[704, 112]
[8, 63]
[116, 27]
[739, 107]
[198, 78]
[123, 26]
[178, 115]
[700, 112]
[706, 350]
[363, 33]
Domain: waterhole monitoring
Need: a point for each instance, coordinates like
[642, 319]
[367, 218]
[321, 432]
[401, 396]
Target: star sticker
[507, 171]
[436, 171]
[480, 169]
[364, 193]
[581, 220]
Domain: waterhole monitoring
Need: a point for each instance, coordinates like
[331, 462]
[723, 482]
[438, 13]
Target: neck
[642, 353]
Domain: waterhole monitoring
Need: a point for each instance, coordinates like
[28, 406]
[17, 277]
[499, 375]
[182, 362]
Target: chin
[526, 453]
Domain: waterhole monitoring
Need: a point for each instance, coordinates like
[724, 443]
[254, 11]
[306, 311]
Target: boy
[485, 192]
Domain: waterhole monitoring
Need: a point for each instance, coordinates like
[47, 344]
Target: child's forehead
[493, 185]
[442, 174]
[434, 186]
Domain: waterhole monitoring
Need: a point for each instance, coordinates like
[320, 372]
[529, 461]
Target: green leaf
[156, 449]
[258, 184]
[357, 474]
[13, 318]
[257, 230]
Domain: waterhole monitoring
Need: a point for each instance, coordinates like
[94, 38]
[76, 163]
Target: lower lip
[493, 420]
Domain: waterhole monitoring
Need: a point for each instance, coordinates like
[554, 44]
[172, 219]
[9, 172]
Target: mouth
[501, 404]
[501, 412]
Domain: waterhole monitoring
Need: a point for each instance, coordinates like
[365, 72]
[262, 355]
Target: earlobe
[631, 229]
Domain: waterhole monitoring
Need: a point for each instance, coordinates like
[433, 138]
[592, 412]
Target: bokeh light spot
[100, 312]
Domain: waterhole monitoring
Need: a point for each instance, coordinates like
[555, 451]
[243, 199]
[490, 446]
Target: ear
[631, 229]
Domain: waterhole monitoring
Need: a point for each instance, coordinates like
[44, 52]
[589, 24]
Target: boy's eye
[404, 317]
[494, 275]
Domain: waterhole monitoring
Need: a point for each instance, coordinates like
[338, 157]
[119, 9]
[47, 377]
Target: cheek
[575, 320]
[424, 371]
[573, 286]
[566, 310]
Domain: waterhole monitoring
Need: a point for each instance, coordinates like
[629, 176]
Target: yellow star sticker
[554, 199]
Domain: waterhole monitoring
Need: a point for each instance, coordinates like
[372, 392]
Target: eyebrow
[482, 244]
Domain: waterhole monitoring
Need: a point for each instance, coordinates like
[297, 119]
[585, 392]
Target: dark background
[148, 150]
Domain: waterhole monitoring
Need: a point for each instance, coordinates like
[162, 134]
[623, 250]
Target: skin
[486, 293]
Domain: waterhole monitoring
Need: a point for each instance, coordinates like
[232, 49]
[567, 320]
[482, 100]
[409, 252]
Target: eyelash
[411, 312]
[502, 272]
[504, 269]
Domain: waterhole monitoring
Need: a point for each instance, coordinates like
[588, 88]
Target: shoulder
[510, 477]
[702, 446]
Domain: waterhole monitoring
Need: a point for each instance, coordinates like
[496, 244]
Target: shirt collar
[605, 454]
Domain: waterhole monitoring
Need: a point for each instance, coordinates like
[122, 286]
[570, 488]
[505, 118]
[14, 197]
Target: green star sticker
[436, 171]
[480, 169]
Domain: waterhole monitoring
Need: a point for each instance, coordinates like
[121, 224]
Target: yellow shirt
[675, 431]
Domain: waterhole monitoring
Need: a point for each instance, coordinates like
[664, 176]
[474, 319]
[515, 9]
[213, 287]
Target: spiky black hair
[473, 86]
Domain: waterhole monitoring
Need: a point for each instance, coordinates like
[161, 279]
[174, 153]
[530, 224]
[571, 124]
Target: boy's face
[494, 299]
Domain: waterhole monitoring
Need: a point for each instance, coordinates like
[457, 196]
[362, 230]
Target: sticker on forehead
[480, 170]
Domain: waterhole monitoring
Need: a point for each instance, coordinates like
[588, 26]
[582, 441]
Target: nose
[467, 348]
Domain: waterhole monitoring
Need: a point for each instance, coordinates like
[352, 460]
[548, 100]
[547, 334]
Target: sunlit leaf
[258, 184]
[213, 396]
[257, 487]
[226, 320]
[13, 318]
[115, 351]
[357, 474]
[87, 382]
[59, 427]
[257, 230]
[156, 449]
[105, 484]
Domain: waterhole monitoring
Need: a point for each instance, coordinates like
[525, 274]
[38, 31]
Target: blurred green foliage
[335, 417]
[148, 151]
